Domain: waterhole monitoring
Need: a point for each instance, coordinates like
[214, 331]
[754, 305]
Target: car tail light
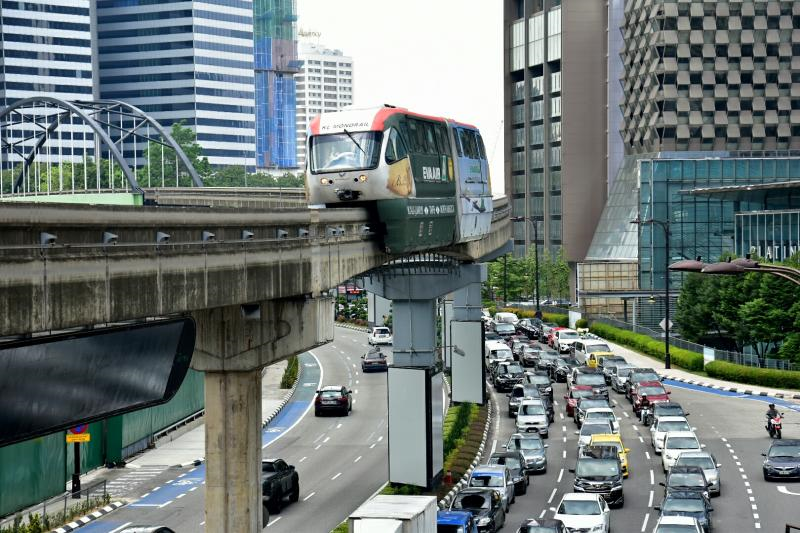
[318, 400]
[343, 399]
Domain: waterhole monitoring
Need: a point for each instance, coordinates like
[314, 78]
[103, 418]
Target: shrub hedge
[648, 345]
[290, 373]
[767, 377]
[561, 320]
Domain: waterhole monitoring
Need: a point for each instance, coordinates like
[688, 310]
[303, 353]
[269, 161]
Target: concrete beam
[241, 338]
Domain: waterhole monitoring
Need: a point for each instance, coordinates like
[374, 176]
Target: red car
[551, 336]
[576, 392]
[654, 390]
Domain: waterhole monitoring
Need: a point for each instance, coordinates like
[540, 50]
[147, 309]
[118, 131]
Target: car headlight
[517, 479]
[484, 521]
[548, 389]
[598, 529]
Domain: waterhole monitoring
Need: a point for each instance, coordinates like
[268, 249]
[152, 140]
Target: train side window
[395, 147]
[481, 147]
[442, 141]
[469, 144]
[457, 138]
[430, 139]
[413, 136]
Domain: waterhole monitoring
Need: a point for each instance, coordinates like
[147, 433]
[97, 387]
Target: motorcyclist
[644, 408]
[771, 413]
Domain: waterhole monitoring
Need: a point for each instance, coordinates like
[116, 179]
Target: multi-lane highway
[341, 460]
[730, 425]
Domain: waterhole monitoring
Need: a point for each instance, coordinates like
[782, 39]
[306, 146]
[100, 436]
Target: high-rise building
[275, 66]
[46, 50]
[709, 127]
[325, 83]
[556, 119]
[184, 61]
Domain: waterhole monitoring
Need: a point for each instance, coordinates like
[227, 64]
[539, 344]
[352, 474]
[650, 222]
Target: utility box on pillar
[416, 440]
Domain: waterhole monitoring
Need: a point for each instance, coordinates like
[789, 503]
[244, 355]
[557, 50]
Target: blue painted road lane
[794, 406]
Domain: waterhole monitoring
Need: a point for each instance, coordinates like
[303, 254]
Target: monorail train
[427, 177]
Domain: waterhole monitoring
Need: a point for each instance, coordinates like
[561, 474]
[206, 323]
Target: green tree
[163, 161]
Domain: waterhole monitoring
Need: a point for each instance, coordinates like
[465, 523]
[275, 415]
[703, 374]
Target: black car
[515, 462]
[491, 336]
[687, 503]
[280, 483]
[504, 329]
[594, 379]
[374, 361]
[334, 399]
[640, 374]
[686, 478]
[562, 368]
[542, 381]
[599, 476]
[508, 375]
[782, 460]
[530, 356]
[485, 504]
[546, 360]
[667, 409]
[542, 525]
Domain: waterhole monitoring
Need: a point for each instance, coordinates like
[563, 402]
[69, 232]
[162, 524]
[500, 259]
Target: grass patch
[39, 524]
[290, 373]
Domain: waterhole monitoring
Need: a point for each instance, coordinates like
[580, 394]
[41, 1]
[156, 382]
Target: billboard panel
[467, 370]
[408, 425]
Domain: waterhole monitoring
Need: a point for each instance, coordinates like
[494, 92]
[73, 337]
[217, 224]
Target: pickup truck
[279, 482]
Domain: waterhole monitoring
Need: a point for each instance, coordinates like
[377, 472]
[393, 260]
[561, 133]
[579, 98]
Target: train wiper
[355, 141]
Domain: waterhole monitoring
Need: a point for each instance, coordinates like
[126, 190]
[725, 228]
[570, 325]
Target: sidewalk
[180, 448]
[678, 374]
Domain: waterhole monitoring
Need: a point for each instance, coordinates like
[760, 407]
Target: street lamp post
[535, 227]
[737, 266]
[664, 225]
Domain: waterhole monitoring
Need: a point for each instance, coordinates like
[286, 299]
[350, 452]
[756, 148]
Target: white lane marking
[342, 352]
[552, 495]
[565, 438]
[755, 507]
[309, 496]
[380, 438]
[354, 401]
[193, 489]
[752, 498]
[543, 513]
[641, 439]
[203, 522]
[647, 454]
[494, 445]
[562, 418]
[734, 458]
[357, 459]
[356, 382]
[650, 500]
[164, 504]
[741, 469]
[338, 425]
[723, 439]
[564, 428]
[310, 404]
[644, 524]
[615, 401]
[124, 526]
[372, 445]
[758, 525]
[354, 365]
[337, 475]
[755, 516]
[348, 357]
[652, 477]
[155, 489]
[179, 496]
[355, 391]
[744, 476]
[315, 440]
[560, 475]
[634, 427]
[318, 446]
[555, 402]
[273, 521]
[564, 454]
[626, 414]
[302, 459]
[326, 440]
[746, 483]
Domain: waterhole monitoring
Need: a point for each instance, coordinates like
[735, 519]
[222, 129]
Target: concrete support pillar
[233, 345]
[468, 371]
[378, 310]
[447, 341]
[414, 330]
[233, 451]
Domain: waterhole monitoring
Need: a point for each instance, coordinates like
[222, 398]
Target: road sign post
[77, 435]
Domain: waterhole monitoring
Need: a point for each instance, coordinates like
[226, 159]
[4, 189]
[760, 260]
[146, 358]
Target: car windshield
[688, 479]
[538, 380]
[374, 355]
[597, 348]
[682, 443]
[600, 415]
[706, 463]
[500, 328]
[529, 350]
[594, 428]
[570, 362]
[579, 507]
[684, 505]
[590, 379]
[472, 501]
[345, 151]
[532, 391]
[624, 372]
[582, 393]
[531, 410]
[486, 480]
[597, 467]
[591, 404]
[502, 354]
[791, 451]
[673, 425]
[568, 335]
[514, 369]
[652, 391]
[648, 376]
[527, 444]
[330, 394]
[668, 410]
[510, 462]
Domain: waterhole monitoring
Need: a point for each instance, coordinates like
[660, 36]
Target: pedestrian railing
[61, 509]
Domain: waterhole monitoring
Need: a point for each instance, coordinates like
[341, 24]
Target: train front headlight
[324, 181]
[362, 178]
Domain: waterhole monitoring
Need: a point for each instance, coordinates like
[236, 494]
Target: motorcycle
[774, 426]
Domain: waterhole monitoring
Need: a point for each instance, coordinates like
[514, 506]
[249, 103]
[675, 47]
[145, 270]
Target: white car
[380, 335]
[532, 416]
[584, 512]
[497, 351]
[664, 425]
[564, 339]
[677, 524]
[602, 413]
[676, 443]
[597, 427]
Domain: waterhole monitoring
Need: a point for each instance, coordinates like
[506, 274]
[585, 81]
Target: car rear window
[382, 331]
[331, 394]
[590, 379]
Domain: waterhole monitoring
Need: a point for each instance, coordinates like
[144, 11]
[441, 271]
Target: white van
[508, 318]
[496, 351]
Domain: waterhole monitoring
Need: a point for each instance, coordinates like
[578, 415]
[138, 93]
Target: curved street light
[737, 266]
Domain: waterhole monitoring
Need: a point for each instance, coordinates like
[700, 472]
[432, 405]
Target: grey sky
[441, 57]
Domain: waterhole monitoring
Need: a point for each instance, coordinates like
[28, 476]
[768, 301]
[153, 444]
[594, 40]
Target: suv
[685, 479]
[279, 482]
[507, 375]
[532, 416]
[515, 462]
[600, 476]
[380, 335]
[606, 364]
[687, 504]
[594, 379]
[619, 376]
[533, 450]
[654, 391]
[564, 339]
[497, 478]
[542, 382]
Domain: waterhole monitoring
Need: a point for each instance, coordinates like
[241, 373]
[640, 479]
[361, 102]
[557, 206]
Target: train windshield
[340, 152]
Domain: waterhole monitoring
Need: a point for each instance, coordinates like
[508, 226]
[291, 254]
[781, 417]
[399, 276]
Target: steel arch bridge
[50, 146]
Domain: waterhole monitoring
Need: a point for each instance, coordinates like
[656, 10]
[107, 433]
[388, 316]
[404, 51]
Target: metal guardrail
[719, 355]
[58, 505]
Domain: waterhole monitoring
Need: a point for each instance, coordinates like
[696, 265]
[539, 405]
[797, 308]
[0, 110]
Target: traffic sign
[663, 324]
[77, 430]
[78, 437]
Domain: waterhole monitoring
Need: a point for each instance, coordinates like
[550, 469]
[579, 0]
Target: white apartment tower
[324, 84]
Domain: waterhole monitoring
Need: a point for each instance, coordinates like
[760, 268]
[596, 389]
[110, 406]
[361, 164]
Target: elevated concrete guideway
[248, 255]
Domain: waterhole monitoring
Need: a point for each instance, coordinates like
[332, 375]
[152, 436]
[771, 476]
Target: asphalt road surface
[341, 461]
[730, 425]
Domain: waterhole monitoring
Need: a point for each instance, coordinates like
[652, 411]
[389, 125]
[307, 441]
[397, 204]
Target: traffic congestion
[586, 441]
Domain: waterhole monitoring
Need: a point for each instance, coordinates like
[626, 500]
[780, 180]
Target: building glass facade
[773, 235]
